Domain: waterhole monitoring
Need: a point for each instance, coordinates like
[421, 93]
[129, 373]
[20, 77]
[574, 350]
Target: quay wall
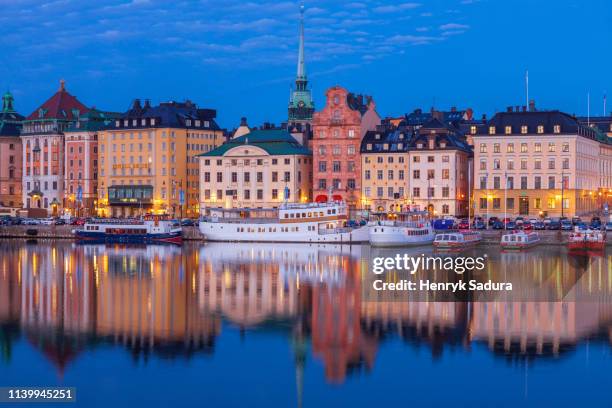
[490, 237]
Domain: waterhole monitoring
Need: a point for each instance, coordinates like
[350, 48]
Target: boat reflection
[172, 303]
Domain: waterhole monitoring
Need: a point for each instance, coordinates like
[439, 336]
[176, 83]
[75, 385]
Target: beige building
[540, 163]
[148, 159]
[261, 169]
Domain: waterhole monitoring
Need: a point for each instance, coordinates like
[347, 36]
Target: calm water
[294, 325]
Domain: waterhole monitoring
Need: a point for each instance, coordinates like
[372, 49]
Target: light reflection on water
[291, 324]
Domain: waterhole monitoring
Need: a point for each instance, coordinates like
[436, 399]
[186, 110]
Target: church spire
[300, 79]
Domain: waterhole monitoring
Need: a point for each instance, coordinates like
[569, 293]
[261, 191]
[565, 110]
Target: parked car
[493, 220]
[442, 224]
[519, 220]
[566, 225]
[527, 226]
[187, 222]
[60, 221]
[480, 225]
[553, 225]
[498, 225]
[463, 224]
[539, 225]
[511, 225]
[608, 226]
[547, 221]
[576, 220]
[31, 221]
[596, 223]
[47, 221]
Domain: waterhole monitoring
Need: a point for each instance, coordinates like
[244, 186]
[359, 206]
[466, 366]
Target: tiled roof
[386, 141]
[94, 120]
[172, 114]
[61, 106]
[274, 142]
[418, 117]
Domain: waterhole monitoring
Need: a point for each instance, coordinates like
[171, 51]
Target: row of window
[337, 166]
[336, 184]
[551, 203]
[246, 194]
[322, 134]
[537, 164]
[400, 159]
[524, 129]
[537, 182]
[246, 177]
[337, 150]
[259, 162]
[524, 147]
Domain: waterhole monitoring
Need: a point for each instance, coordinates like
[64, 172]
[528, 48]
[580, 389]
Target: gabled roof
[61, 106]
[274, 142]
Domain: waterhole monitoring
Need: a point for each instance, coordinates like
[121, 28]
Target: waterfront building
[42, 137]
[81, 164]
[301, 106]
[385, 169]
[439, 166]
[261, 169]
[540, 163]
[147, 159]
[10, 155]
[337, 133]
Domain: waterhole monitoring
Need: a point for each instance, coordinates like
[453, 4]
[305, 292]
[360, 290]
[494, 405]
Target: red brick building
[337, 133]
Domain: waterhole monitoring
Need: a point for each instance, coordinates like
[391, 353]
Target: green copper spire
[7, 102]
[301, 106]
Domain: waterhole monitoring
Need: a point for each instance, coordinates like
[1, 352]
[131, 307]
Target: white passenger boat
[457, 240]
[315, 222]
[410, 229]
[519, 240]
[149, 229]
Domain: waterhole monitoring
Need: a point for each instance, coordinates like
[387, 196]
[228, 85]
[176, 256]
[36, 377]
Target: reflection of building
[261, 169]
[147, 158]
[43, 151]
[10, 154]
[337, 132]
[81, 164]
[542, 162]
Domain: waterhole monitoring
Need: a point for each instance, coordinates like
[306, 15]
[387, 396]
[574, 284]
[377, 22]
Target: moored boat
[457, 240]
[313, 222]
[519, 240]
[587, 240]
[149, 229]
[411, 229]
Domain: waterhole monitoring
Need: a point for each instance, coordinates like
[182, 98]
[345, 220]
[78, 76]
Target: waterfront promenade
[490, 237]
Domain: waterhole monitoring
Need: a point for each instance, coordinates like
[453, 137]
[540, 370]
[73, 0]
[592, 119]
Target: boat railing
[339, 230]
[219, 220]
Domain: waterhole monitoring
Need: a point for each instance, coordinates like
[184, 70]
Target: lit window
[557, 129]
[473, 129]
[491, 130]
[510, 148]
[483, 148]
[540, 129]
[523, 147]
[508, 130]
[523, 129]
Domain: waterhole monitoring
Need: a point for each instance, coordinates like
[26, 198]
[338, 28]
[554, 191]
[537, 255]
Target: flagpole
[505, 198]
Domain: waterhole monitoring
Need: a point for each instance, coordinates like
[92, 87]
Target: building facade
[540, 163]
[81, 164]
[147, 159]
[261, 169]
[440, 160]
[10, 155]
[42, 139]
[385, 170]
[301, 106]
[337, 133]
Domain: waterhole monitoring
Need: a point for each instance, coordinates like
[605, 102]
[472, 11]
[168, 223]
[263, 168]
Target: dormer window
[197, 123]
[143, 122]
[523, 129]
[491, 130]
[442, 145]
[377, 136]
[473, 130]
[206, 124]
[400, 146]
[401, 136]
[508, 130]
[419, 145]
[188, 122]
[540, 129]
[117, 123]
[134, 122]
[125, 123]
[369, 146]
[41, 113]
[153, 122]
[557, 128]
[386, 146]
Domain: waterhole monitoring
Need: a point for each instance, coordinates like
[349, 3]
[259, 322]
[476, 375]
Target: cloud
[412, 39]
[454, 26]
[395, 8]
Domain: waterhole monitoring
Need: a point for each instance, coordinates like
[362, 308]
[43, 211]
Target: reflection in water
[173, 303]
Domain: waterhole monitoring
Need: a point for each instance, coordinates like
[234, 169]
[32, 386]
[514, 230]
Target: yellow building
[540, 163]
[148, 160]
[261, 169]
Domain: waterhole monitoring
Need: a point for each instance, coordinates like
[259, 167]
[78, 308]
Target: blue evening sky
[239, 56]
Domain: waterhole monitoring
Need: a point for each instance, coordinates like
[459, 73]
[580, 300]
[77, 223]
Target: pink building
[10, 155]
[337, 133]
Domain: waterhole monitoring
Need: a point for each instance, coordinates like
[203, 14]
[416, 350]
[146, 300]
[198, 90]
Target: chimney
[243, 121]
[453, 109]
[484, 117]
[517, 108]
[147, 104]
[509, 109]
[136, 104]
[524, 108]
[470, 113]
[418, 111]
[532, 107]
